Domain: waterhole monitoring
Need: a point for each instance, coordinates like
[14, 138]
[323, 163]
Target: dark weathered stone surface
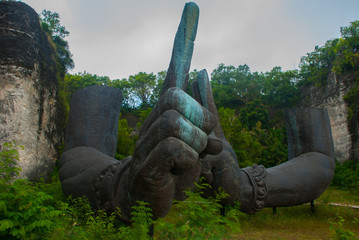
[29, 112]
[93, 119]
[90, 144]
[311, 164]
[177, 73]
[23, 43]
[308, 130]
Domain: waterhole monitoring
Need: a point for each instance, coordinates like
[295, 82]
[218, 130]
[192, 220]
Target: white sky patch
[118, 38]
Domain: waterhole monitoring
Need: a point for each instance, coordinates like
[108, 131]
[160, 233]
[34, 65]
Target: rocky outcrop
[28, 90]
[331, 97]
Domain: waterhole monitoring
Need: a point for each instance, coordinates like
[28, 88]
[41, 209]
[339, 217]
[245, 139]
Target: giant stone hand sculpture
[182, 140]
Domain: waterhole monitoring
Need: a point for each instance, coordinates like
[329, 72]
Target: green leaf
[3, 208]
[6, 224]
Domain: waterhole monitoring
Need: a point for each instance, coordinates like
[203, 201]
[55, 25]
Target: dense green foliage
[25, 211]
[255, 145]
[337, 55]
[347, 175]
[234, 87]
[125, 140]
[9, 156]
[200, 218]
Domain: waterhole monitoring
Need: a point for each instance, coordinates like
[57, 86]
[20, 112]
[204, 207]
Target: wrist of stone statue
[110, 189]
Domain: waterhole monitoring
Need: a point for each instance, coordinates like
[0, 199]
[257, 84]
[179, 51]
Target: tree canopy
[50, 23]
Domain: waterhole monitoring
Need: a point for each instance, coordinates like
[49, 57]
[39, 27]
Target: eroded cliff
[28, 92]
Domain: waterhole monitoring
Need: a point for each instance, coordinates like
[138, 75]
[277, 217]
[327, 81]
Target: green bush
[200, 218]
[24, 210]
[346, 175]
[253, 146]
[9, 156]
[125, 140]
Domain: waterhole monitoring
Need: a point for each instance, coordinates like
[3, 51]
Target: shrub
[199, 218]
[9, 156]
[346, 175]
[24, 210]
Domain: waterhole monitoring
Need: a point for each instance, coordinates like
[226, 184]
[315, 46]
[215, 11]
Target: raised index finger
[177, 73]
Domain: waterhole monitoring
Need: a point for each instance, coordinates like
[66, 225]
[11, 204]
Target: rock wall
[28, 90]
[331, 97]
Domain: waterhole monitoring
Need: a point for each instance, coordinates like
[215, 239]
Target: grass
[300, 222]
[335, 195]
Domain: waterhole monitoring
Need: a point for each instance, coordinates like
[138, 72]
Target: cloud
[119, 38]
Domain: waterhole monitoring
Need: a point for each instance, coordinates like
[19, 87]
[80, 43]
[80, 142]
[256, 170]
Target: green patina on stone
[187, 106]
[203, 86]
[184, 42]
[194, 138]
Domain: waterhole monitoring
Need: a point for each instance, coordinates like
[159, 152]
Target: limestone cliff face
[28, 89]
[331, 97]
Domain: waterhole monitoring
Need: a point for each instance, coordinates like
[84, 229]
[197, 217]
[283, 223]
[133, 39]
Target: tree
[317, 65]
[347, 49]
[50, 23]
[233, 86]
[124, 86]
[160, 78]
[256, 145]
[337, 55]
[254, 112]
[279, 88]
[245, 143]
[73, 82]
[141, 86]
[192, 76]
[125, 140]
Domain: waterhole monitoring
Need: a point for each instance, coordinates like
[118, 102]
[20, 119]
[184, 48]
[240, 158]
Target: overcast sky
[118, 38]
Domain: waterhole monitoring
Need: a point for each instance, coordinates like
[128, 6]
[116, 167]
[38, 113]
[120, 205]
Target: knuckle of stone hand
[168, 121]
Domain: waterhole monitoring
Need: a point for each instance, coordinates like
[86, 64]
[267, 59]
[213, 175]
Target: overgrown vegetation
[199, 218]
[347, 176]
[39, 210]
